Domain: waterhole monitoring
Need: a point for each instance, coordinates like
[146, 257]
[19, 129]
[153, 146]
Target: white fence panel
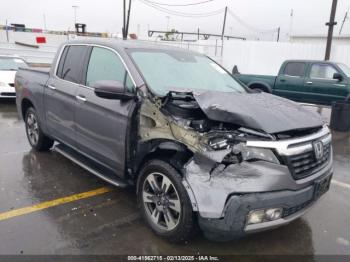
[257, 57]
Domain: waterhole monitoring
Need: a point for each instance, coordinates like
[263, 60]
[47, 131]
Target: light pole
[75, 7]
[167, 24]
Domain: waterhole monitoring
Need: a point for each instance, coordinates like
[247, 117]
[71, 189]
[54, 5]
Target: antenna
[345, 17]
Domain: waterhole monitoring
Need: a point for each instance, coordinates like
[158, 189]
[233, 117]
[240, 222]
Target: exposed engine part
[183, 105]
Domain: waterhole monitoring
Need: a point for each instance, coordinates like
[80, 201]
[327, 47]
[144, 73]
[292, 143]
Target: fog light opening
[273, 213]
[256, 216]
[264, 215]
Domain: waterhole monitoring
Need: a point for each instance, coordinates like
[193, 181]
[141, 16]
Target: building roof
[320, 36]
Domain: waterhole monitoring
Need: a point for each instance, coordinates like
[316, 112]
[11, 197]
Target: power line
[182, 14]
[198, 3]
[248, 26]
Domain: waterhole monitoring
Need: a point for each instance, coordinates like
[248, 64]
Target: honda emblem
[318, 149]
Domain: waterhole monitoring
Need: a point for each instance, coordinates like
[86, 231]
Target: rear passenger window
[295, 69]
[71, 63]
[104, 64]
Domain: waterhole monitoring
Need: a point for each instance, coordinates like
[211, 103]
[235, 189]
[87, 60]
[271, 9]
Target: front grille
[292, 210]
[306, 164]
[7, 94]
[12, 84]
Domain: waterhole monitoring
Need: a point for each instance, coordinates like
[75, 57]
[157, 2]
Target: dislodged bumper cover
[212, 183]
[259, 111]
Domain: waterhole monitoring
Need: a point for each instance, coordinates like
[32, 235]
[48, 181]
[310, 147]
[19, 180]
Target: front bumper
[233, 224]
[7, 92]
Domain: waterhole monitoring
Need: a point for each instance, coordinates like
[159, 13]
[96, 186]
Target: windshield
[168, 70]
[10, 63]
[345, 69]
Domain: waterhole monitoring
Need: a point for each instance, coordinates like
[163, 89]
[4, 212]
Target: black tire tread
[44, 142]
[188, 228]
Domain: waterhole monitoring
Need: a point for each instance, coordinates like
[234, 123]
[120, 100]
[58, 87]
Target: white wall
[257, 57]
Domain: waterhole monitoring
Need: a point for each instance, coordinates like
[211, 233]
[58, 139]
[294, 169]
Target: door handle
[282, 80]
[81, 98]
[51, 87]
[309, 83]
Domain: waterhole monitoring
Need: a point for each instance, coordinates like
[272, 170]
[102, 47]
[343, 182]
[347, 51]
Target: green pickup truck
[316, 82]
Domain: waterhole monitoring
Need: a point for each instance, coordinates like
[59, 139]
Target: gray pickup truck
[200, 147]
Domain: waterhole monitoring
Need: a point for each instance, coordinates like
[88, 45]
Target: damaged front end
[230, 170]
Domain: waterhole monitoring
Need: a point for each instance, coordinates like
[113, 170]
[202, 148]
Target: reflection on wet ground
[110, 223]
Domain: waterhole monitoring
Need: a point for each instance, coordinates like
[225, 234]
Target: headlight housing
[256, 153]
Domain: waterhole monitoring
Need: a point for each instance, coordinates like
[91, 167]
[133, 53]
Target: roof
[310, 61]
[320, 36]
[129, 44]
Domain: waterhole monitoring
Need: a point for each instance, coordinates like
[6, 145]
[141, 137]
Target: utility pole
[127, 21]
[291, 24]
[224, 24]
[44, 17]
[331, 25]
[167, 23]
[75, 7]
[7, 32]
[278, 34]
[124, 11]
[342, 25]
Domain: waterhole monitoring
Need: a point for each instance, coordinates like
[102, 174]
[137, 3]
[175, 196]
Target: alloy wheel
[161, 201]
[32, 129]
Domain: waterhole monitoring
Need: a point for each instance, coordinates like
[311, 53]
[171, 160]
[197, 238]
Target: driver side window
[104, 64]
[322, 71]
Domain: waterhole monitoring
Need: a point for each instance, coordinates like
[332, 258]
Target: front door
[323, 87]
[60, 94]
[102, 123]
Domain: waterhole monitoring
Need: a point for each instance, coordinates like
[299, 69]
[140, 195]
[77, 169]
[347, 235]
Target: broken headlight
[256, 153]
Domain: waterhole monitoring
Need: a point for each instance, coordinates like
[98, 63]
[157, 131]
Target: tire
[173, 217]
[37, 139]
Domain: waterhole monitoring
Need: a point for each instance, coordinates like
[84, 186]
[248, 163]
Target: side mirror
[338, 76]
[235, 70]
[111, 89]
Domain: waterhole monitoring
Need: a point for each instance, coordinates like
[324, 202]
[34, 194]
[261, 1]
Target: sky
[309, 16]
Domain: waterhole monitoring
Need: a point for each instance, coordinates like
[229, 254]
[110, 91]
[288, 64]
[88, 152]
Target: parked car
[199, 146]
[8, 68]
[316, 82]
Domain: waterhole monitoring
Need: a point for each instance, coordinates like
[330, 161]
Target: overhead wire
[197, 3]
[248, 26]
[182, 14]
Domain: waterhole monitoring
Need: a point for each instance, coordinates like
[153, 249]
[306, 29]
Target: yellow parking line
[52, 203]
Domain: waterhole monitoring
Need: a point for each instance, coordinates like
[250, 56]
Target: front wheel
[164, 202]
[37, 139]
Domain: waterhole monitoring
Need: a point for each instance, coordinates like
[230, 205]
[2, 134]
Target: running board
[90, 165]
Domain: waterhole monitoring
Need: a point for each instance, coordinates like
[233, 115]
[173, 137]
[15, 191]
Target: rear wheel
[164, 202]
[37, 139]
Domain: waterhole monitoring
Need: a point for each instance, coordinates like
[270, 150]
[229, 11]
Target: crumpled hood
[259, 111]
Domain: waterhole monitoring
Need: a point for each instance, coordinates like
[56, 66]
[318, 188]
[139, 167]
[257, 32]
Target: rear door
[323, 88]
[102, 123]
[290, 81]
[60, 94]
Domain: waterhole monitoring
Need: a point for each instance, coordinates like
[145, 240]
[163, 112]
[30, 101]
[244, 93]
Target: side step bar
[90, 165]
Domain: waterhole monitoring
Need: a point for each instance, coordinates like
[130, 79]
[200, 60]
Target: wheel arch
[260, 85]
[173, 151]
[25, 105]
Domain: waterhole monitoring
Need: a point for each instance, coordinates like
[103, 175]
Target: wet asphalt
[110, 223]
